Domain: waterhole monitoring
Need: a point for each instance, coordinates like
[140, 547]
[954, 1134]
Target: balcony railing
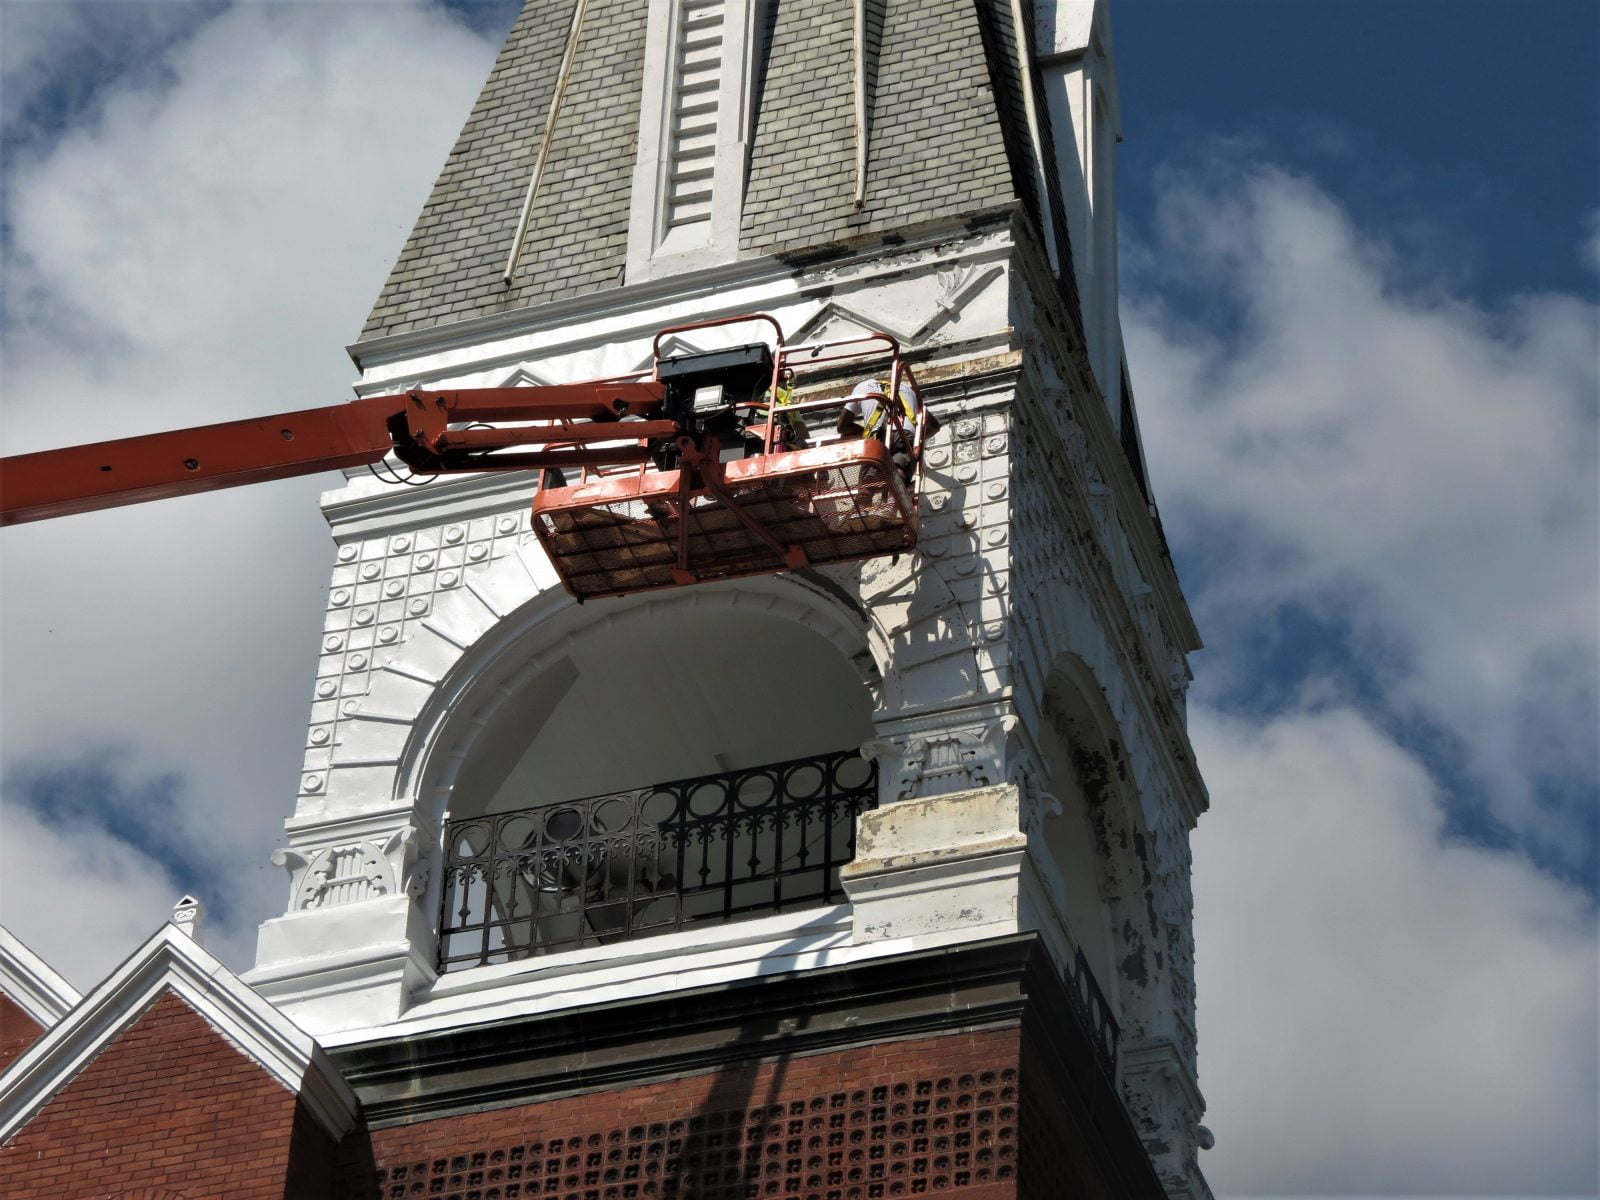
[1094, 1013]
[691, 852]
[700, 851]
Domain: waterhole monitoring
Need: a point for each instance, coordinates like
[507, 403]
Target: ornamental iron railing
[1094, 1013]
[700, 851]
[624, 865]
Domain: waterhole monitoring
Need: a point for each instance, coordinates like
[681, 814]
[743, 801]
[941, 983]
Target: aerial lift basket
[808, 507]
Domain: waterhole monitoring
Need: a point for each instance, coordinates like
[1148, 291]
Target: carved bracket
[1166, 1109]
[940, 760]
[349, 872]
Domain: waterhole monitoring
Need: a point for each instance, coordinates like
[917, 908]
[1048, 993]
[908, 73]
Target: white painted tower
[942, 172]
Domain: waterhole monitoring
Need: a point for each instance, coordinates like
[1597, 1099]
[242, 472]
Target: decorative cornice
[353, 514]
[1135, 519]
[173, 960]
[706, 292]
[539, 1056]
[32, 983]
[614, 302]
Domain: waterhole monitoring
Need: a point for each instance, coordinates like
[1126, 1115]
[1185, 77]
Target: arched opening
[1092, 834]
[1071, 840]
[663, 766]
[641, 701]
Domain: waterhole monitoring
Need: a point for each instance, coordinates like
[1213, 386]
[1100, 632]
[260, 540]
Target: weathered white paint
[446, 640]
[187, 914]
[938, 864]
[666, 236]
[1078, 76]
[1165, 1104]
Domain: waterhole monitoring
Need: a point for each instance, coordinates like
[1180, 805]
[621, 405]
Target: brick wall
[17, 1031]
[898, 1119]
[1052, 1165]
[169, 1105]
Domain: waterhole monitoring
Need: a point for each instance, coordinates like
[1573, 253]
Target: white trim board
[173, 960]
[33, 983]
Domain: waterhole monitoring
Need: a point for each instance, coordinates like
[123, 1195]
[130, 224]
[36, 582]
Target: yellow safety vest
[870, 427]
[784, 396]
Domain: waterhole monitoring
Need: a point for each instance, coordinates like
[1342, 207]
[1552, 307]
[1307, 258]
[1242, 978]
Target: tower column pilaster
[356, 941]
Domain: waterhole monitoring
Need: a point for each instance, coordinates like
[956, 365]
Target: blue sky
[1360, 259]
[1465, 129]
[1463, 136]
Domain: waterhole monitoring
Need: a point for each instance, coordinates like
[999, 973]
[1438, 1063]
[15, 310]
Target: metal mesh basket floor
[834, 503]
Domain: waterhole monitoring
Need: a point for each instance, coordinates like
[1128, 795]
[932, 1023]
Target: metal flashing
[542, 1055]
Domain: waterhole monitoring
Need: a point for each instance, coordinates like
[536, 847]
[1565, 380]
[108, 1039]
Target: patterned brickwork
[1051, 1165]
[930, 1116]
[17, 1031]
[169, 1104]
[450, 267]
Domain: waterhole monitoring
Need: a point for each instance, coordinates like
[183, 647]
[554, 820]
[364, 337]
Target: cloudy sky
[1361, 249]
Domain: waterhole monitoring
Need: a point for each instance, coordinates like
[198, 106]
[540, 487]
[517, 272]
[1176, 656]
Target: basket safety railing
[744, 488]
[863, 356]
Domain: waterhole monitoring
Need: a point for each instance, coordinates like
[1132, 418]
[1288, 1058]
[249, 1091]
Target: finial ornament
[186, 914]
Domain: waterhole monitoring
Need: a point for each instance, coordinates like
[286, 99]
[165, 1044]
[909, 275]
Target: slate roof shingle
[947, 137]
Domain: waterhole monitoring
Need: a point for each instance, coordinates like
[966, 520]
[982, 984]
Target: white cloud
[98, 39]
[1381, 1012]
[84, 900]
[1385, 456]
[198, 247]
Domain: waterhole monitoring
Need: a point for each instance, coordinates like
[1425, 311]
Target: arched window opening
[1075, 839]
[658, 775]
[1092, 831]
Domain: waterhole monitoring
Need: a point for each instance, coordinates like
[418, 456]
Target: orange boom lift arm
[415, 426]
[688, 476]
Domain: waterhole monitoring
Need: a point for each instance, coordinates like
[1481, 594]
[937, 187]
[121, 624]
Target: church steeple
[878, 871]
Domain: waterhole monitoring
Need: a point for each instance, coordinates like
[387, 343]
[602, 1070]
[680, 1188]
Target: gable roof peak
[171, 960]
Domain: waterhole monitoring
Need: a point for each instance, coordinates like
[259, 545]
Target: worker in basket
[789, 429]
[865, 415]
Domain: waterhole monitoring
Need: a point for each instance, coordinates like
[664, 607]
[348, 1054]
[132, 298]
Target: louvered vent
[698, 70]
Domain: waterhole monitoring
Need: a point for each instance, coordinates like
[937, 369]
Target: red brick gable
[17, 1030]
[168, 1106]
